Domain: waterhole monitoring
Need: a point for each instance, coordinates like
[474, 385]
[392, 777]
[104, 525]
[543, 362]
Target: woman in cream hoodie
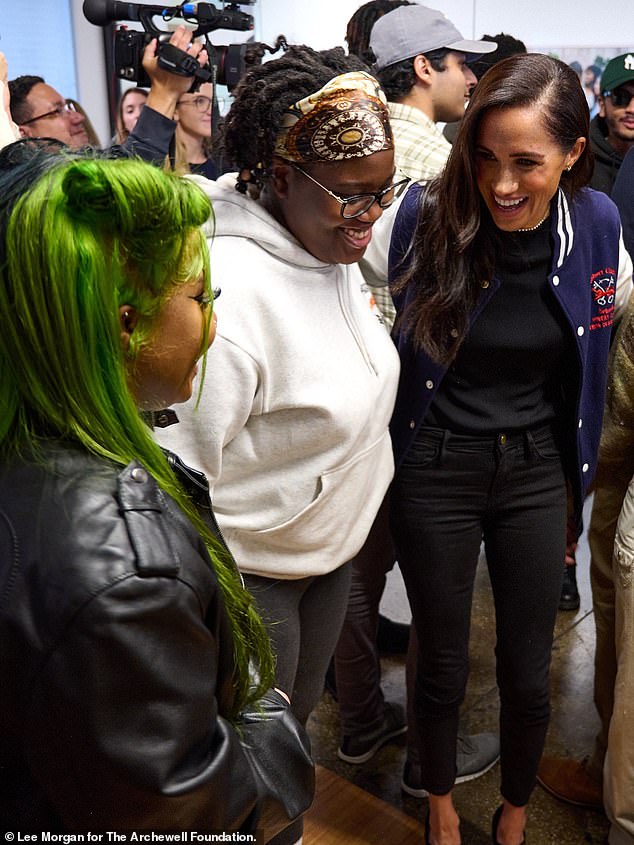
[294, 435]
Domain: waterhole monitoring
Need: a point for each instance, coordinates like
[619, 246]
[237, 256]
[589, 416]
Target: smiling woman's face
[519, 165]
[131, 108]
[193, 112]
[314, 217]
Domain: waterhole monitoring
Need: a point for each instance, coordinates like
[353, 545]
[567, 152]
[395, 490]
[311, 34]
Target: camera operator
[41, 112]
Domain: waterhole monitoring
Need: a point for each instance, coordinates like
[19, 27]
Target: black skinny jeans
[452, 492]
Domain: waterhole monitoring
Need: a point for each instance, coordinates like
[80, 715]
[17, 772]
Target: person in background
[131, 104]
[576, 66]
[611, 136]
[294, 437]
[612, 130]
[360, 25]
[503, 346]
[136, 670]
[507, 45]
[421, 60]
[193, 142]
[618, 449]
[41, 112]
[622, 194]
[585, 783]
[589, 78]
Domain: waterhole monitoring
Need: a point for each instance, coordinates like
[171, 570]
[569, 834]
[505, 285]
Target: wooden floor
[343, 814]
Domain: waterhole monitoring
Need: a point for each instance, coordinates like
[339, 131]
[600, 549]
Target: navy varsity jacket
[583, 277]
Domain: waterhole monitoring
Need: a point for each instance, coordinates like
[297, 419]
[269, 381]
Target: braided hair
[261, 98]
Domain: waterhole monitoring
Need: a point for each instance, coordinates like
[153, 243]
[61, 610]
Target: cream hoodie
[292, 426]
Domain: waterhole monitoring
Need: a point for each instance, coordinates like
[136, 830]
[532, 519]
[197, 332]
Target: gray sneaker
[359, 748]
[475, 755]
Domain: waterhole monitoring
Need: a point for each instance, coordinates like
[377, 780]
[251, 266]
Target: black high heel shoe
[494, 826]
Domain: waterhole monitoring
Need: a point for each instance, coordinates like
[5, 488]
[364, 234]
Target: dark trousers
[357, 663]
[452, 492]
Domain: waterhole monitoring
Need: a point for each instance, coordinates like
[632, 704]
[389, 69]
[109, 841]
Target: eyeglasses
[358, 204]
[204, 300]
[201, 102]
[620, 97]
[61, 111]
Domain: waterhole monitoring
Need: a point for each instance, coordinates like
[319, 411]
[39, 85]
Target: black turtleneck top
[509, 371]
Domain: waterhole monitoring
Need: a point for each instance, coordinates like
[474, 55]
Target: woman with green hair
[136, 672]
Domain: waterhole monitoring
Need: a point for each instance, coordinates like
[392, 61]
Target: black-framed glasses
[201, 103]
[61, 111]
[358, 204]
[620, 97]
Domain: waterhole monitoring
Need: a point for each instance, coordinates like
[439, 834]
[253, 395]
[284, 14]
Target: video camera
[226, 63]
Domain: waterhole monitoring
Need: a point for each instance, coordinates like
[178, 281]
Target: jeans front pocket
[545, 445]
[425, 449]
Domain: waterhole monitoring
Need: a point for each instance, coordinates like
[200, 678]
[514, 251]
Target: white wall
[91, 78]
[322, 23]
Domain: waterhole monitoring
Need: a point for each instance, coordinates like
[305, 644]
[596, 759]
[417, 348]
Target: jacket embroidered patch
[603, 284]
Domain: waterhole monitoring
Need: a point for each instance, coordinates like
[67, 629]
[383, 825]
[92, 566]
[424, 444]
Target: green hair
[79, 237]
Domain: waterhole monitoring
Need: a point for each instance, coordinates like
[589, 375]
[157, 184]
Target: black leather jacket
[117, 662]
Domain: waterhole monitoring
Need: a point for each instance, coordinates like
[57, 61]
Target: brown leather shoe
[569, 781]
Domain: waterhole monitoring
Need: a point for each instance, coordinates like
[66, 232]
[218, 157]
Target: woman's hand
[167, 87]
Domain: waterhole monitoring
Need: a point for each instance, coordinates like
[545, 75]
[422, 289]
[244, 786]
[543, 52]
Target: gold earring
[569, 168]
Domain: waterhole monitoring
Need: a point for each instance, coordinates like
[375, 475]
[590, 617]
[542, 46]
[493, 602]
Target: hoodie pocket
[345, 493]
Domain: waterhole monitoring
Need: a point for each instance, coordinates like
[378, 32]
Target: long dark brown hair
[453, 249]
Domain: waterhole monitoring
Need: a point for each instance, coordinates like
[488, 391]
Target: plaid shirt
[420, 149]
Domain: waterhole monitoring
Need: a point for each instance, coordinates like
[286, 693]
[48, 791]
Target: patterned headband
[347, 118]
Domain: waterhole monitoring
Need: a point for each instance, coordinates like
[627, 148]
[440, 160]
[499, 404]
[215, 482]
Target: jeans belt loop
[530, 451]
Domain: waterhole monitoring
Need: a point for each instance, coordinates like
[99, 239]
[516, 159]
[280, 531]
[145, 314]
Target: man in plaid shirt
[421, 63]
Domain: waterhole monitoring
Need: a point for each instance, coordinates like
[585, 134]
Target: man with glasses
[41, 112]
[612, 130]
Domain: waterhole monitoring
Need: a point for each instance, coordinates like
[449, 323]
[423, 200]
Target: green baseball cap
[617, 71]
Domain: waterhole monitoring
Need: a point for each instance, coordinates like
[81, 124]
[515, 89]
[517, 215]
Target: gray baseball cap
[409, 30]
